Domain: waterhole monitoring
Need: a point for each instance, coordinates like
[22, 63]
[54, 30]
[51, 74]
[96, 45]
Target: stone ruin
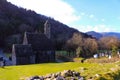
[65, 75]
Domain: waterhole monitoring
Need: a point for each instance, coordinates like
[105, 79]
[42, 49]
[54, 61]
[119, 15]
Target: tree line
[87, 47]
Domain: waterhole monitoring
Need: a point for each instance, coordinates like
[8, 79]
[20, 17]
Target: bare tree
[108, 42]
[90, 47]
[75, 42]
[84, 47]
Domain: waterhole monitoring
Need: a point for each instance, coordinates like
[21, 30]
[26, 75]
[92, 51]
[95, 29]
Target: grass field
[86, 69]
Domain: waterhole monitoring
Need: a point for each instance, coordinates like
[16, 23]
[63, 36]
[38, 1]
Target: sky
[84, 15]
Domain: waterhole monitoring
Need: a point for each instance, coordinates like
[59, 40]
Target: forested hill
[14, 21]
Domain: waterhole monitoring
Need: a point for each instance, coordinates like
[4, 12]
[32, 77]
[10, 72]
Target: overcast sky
[84, 15]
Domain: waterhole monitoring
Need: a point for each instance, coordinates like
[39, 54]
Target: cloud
[82, 13]
[97, 28]
[102, 28]
[57, 9]
[102, 20]
[91, 16]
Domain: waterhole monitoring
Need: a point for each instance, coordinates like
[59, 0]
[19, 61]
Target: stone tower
[47, 29]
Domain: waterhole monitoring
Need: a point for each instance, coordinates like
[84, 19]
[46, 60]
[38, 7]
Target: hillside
[103, 34]
[95, 34]
[111, 34]
[14, 21]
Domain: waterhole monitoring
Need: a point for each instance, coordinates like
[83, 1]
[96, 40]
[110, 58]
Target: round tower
[47, 29]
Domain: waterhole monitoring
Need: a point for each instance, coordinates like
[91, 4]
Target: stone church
[36, 48]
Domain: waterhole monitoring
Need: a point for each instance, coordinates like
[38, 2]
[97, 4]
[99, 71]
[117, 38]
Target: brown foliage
[84, 46]
[90, 46]
[74, 42]
[108, 42]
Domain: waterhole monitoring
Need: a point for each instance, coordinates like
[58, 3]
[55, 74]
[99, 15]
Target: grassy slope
[86, 69]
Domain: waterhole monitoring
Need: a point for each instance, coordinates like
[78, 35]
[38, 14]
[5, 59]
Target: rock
[35, 78]
[48, 76]
[48, 79]
[67, 73]
[72, 78]
[64, 73]
[80, 78]
[41, 78]
[76, 74]
[97, 75]
[57, 74]
[60, 78]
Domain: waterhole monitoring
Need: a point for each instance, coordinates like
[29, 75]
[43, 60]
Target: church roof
[38, 41]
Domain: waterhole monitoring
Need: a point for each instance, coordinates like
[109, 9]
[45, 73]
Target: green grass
[86, 69]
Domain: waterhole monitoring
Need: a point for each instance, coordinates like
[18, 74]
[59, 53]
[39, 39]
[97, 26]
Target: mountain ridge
[99, 35]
